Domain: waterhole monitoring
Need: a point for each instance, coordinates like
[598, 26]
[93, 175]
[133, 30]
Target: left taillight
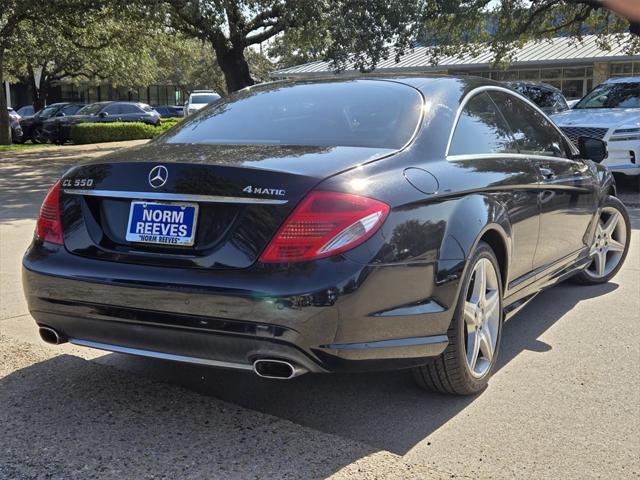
[49, 227]
[325, 224]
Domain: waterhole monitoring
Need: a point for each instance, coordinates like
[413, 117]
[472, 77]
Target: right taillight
[325, 224]
[49, 227]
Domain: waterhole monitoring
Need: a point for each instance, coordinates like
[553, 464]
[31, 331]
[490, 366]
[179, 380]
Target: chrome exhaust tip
[277, 369]
[49, 335]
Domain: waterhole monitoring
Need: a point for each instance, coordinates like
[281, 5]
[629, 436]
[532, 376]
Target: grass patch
[22, 146]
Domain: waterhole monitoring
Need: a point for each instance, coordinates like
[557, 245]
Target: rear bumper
[344, 317]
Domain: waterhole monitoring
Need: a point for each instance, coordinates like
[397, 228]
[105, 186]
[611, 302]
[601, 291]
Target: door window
[481, 129]
[126, 108]
[70, 109]
[113, 109]
[533, 132]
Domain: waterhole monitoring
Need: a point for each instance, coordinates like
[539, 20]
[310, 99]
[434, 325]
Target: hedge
[117, 131]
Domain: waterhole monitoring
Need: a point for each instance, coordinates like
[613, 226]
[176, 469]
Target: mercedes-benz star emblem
[158, 176]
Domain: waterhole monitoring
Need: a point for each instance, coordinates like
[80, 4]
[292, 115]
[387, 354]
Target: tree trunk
[5, 128]
[234, 66]
[40, 96]
[39, 90]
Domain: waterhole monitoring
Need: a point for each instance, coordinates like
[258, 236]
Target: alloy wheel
[609, 243]
[481, 317]
[38, 136]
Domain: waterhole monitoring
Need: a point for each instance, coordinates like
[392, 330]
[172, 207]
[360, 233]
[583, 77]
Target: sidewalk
[68, 151]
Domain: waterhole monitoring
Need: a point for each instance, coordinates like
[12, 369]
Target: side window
[533, 132]
[113, 109]
[128, 108]
[481, 129]
[70, 109]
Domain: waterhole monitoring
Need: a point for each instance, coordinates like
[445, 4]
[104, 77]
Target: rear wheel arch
[484, 219]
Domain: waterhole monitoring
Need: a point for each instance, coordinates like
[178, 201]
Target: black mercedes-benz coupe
[325, 226]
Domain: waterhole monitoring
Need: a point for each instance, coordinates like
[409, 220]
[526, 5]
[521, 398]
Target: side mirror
[592, 149]
[60, 114]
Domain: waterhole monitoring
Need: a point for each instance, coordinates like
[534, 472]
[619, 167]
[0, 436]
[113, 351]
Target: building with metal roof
[572, 65]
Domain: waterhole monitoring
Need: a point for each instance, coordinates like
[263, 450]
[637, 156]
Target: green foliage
[474, 26]
[96, 45]
[118, 131]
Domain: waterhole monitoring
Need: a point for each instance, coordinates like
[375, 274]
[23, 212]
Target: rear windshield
[359, 113]
[204, 98]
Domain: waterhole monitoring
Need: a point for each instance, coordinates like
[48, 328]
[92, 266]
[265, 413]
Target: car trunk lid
[242, 195]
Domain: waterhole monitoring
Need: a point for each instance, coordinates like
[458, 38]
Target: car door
[131, 113]
[112, 112]
[484, 148]
[567, 194]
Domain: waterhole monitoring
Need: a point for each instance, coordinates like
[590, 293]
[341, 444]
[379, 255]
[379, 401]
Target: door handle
[547, 173]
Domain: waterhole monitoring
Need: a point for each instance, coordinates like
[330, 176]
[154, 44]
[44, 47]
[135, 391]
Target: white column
[7, 90]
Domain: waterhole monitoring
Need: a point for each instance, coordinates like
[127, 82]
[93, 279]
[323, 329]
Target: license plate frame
[159, 238]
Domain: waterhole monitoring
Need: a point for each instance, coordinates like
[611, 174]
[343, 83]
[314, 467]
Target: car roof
[623, 80]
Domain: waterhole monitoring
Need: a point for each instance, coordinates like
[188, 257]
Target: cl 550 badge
[77, 182]
[278, 192]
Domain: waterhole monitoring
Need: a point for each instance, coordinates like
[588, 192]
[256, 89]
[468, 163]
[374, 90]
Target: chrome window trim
[174, 197]
[471, 156]
[488, 88]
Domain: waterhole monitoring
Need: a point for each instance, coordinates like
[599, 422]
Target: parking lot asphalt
[563, 404]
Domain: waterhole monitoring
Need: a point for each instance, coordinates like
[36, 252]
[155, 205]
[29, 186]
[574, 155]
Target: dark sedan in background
[338, 225]
[32, 127]
[547, 97]
[170, 111]
[58, 130]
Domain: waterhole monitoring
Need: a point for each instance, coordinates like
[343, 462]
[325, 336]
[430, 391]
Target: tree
[468, 27]
[231, 27]
[347, 36]
[14, 14]
[96, 45]
[190, 64]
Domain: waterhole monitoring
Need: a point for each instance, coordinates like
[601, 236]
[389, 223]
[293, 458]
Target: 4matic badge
[278, 192]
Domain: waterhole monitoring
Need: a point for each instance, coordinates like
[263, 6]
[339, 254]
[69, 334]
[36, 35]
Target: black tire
[583, 277]
[450, 373]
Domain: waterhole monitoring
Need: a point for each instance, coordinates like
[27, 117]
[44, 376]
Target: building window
[626, 69]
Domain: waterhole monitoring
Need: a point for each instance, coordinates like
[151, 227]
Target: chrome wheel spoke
[491, 305]
[473, 349]
[470, 314]
[600, 263]
[610, 226]
[615, 246]
[480, 282]
[486, 344]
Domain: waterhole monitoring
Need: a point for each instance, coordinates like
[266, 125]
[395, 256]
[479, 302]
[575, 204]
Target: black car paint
[32, 124]
[58, 129]
[386, 304]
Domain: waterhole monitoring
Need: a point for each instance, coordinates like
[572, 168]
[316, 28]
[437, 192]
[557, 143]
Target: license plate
[163, 223]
